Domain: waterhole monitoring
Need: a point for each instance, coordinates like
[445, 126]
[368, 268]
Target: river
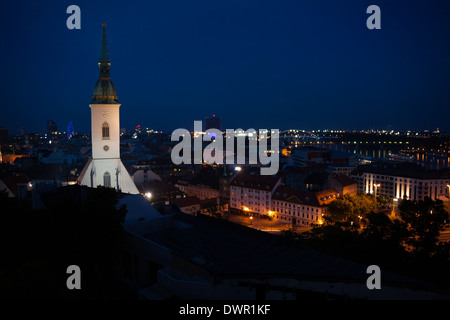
[427, 160]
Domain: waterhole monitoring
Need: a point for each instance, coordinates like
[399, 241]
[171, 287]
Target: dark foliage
[407, 245]
[38, 246]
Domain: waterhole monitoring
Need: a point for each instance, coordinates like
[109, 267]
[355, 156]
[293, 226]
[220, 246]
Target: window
[107, 180]
[105, 131]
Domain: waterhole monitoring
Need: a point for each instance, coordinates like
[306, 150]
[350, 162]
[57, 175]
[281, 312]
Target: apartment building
[401, 180]
[253, 193]
[301, 208]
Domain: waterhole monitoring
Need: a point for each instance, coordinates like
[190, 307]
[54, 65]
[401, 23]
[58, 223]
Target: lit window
[105, 130]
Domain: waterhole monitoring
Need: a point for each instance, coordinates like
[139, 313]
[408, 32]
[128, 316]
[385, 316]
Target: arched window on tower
[107, 180]
[105, 131]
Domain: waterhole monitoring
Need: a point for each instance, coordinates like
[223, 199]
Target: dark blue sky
[257, 64]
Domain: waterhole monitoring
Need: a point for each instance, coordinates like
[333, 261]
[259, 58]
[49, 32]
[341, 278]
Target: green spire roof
[104, 90]
[104, 56]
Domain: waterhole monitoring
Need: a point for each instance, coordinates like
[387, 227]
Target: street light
[270, 218]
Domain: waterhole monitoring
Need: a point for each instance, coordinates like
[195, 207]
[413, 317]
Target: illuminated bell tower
[105, 167]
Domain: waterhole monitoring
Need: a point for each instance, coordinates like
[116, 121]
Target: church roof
[104, 90]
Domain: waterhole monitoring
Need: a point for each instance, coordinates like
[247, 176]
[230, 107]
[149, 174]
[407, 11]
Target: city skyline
[255, 65]
[168, 189]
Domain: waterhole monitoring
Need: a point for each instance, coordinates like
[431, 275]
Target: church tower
[105, 168]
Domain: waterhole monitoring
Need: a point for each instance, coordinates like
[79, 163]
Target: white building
[341, 169]
[105, 168]
[300, 208]
[401, 181]
[253, 193]
[267, 196]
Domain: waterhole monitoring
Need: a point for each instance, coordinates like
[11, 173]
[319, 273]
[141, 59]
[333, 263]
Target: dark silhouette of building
[3, 135]
[52, 128]
[213, 123]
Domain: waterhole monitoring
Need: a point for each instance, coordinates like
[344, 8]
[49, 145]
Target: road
[263, 224]
[445, 235]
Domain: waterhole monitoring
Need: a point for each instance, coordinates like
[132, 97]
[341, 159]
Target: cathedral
[105, 168]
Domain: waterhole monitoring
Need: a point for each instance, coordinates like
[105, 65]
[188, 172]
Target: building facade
[52, 129]
[343, 184]
[311, 156]
[213, 123]
[300, 208]
[200, 191]
[401, 181]
[252, 194]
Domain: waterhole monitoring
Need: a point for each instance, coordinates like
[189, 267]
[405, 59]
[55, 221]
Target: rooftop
[13, 180]
[320, 198]
[186, 201]
[229, 250]
[138, 208]
[255, 181]
[158, 187]
[344, 180]
[403, 169]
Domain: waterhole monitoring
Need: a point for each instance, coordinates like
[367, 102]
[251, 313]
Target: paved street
[262, 224]
[267, 225]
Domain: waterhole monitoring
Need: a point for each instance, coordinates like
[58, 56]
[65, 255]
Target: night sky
[255, 63]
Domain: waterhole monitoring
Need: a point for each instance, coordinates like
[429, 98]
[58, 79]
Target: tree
[384, 239]
[406, 245]
[384, 201]
[74, 229]
[363, 203]
[215, 210]
[425, 220]
[340, 210]
[349, 208]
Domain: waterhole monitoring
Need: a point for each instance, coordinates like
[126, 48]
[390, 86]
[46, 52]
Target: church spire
[104, 90]
[104, 63]
[104, 56]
